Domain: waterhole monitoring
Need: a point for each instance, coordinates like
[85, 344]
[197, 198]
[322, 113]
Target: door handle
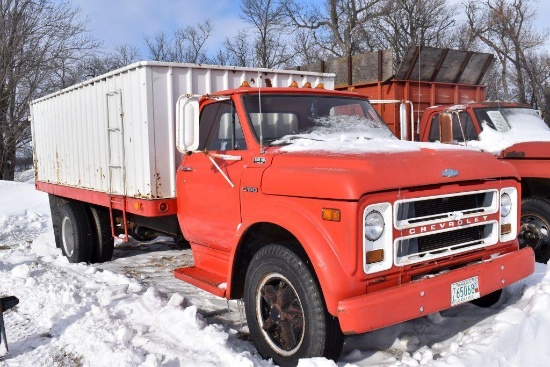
[185, 169]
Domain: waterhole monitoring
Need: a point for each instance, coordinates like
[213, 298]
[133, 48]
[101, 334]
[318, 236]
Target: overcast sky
[118, 22]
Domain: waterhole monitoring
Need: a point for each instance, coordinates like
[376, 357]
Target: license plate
[464, 291]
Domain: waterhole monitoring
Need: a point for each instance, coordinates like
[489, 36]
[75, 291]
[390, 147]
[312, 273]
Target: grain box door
[116, 143]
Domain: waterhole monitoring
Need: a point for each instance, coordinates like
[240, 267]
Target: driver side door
[209, 179]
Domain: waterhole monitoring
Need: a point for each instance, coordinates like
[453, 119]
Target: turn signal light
[332, 215]
[245, 84]
[320, 86]
[374, 256]
[506, 228]
[138, 206]
[307, 85]
[294, 84]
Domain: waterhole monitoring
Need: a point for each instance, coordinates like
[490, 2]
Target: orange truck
[448, 84]
[294, 197]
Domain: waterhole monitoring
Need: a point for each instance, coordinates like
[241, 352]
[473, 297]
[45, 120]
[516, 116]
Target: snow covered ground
[132, 312]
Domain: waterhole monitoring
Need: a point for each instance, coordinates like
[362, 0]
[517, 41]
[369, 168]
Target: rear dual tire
[76, 233]
[103, 240]
[85, 233]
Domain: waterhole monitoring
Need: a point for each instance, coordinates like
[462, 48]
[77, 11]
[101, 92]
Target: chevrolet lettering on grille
[450, 224]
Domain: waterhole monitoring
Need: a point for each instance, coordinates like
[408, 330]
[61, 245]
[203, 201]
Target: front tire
[75, 232]
[488, 300]
[535, 227]
[285, 310]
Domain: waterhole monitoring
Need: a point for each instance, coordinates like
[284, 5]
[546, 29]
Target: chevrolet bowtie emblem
[449, 173]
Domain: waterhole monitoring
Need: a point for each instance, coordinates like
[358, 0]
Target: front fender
[334, 263]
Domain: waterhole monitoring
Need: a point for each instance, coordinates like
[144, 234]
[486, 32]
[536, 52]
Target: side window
[219, 128]
[468, 127]
[434, 129]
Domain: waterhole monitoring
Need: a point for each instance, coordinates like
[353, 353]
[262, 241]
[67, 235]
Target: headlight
[505, 205]
[374, 225]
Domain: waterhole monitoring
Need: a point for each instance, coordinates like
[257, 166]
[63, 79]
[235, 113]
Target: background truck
[431, 81]
[296, 198]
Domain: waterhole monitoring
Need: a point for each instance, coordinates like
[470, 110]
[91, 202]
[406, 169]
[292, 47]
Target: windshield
[280, 118]
[506, 126]
[504, 119]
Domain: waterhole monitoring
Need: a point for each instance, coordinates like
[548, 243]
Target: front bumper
[422, 297]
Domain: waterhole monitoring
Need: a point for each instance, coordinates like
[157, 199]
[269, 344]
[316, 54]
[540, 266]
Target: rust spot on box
[158, 184]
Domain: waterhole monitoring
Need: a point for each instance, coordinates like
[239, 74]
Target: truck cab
[303, 203]
[516, 134]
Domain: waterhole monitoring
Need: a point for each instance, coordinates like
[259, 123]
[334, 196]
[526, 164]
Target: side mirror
[187, 123]
[446, 127]
[403, 122]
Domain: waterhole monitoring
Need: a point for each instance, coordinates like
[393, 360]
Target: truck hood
[532, 149]
[348, 176]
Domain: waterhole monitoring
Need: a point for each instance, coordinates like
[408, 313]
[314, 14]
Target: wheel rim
[67, 235]
[534, 233]
[280, 314]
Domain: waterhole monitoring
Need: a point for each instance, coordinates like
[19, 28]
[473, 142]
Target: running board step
[203, 279]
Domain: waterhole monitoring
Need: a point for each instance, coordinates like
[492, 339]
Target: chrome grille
[438, 226]
[441, 208]
[465, 203]
[469, 235]
[451, 240]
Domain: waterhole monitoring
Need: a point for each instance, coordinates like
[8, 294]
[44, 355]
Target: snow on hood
[349, 143]
[351, 134]
[524, 128]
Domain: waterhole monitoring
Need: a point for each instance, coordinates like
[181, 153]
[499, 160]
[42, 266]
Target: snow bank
[21, 199]
[25, 176]
[76, 314]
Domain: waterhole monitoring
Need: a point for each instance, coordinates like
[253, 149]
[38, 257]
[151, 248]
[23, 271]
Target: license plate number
[464, 291]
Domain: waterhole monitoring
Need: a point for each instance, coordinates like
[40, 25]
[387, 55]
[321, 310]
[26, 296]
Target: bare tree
[339, 24]
[158, 47]
[270, 36]
[539, 64]
[306, 50]
[505, 26]
[124, 54]
[189, 42]
[463, 38]
[186, 44]
[100, 63]
[40, 42]
[410, 23]
[236, 50]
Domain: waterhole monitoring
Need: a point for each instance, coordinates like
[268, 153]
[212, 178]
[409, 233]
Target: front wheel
[285, 310]
[535, 227]
[488, 300]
